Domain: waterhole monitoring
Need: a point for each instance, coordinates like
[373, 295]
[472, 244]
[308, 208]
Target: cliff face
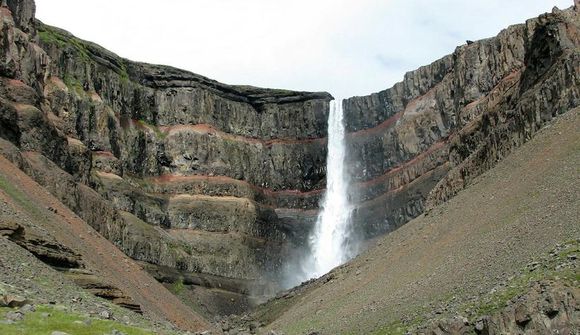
[418, 143]
[207, 162]
[179, 171]
[216, 183]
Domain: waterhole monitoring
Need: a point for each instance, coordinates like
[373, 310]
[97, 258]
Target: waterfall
[330, 240]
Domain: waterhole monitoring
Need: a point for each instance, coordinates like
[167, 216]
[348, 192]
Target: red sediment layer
[207, 129]
[426, 174]
[97, 252]
[22, 107]
[168, 178]
[436, 146]
[186, 233]
[376, 129]
[5, 11]
[103, 153]
[382, 178]
[393, 119]
[490, 95]
[311, 212]
[16, 83]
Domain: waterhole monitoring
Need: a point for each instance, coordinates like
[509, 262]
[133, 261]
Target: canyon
[216, 186]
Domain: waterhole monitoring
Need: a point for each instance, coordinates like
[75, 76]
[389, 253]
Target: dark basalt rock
[186, 173]
[418, 143]
[23, 12]
[526, 315]
[78, 118]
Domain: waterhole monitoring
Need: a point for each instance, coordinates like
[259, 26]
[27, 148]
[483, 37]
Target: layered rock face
[179, 171]
[206, 162]
[418, 143]
[216, 183]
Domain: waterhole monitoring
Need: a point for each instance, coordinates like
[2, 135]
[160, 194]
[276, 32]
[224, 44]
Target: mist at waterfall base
[331, 241]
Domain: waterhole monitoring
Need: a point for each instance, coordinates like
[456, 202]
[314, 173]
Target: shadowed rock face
[178, 170]
[183, 172]
[23, 14]
[546, 308]
[418, 143]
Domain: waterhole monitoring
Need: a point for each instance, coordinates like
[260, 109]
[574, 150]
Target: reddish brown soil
[510, 216]
[203, 128]
[169, 178]
[98, 253]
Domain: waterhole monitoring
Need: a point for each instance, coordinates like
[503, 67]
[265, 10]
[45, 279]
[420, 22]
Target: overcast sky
[345, 47]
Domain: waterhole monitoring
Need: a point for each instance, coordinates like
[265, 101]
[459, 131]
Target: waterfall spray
[330, 241]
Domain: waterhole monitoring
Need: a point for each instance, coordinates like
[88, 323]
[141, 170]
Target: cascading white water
[330, 240]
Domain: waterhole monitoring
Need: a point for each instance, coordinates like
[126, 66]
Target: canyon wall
[216, 184]
[418, 143]
[183, 173]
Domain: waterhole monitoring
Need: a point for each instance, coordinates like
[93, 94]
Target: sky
[345, 47]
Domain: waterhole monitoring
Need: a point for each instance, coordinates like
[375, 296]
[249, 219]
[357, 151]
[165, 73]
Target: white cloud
[345, 47]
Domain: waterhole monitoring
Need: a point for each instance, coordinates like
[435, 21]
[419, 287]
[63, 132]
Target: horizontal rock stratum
[416, 144]
[216, 185]
[501, 257]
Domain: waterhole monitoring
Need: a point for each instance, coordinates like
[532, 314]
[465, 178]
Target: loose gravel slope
[26, 203]
[512, 214]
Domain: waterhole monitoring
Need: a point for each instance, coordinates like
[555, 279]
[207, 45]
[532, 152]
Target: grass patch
[73, 84]
[52, 36]
[303, 327]
[273, 309]
[20, 198]
[158, 133]
[188, 248]
[394, 328]
[178, 286]
[123, 74]
[399, 327]
[49, 35]
[37, 323]
[549, 268]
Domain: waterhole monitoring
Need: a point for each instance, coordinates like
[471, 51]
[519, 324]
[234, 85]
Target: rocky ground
[210, 186]
[31, 218]
[541, 298]
[26, 281]
[216, 186]
[454, 255]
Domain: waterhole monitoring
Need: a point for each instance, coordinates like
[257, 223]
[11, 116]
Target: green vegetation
[47, 319]
[178, 286]
[138, 226]
[158, 133]
[394, 328]
[124, 74]
[304, 327]
[188, 248]
[546, 269]
[270, 311]
[20, 198]
[399, 327]
[49, 35]
[53, 36]
[73, 84]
